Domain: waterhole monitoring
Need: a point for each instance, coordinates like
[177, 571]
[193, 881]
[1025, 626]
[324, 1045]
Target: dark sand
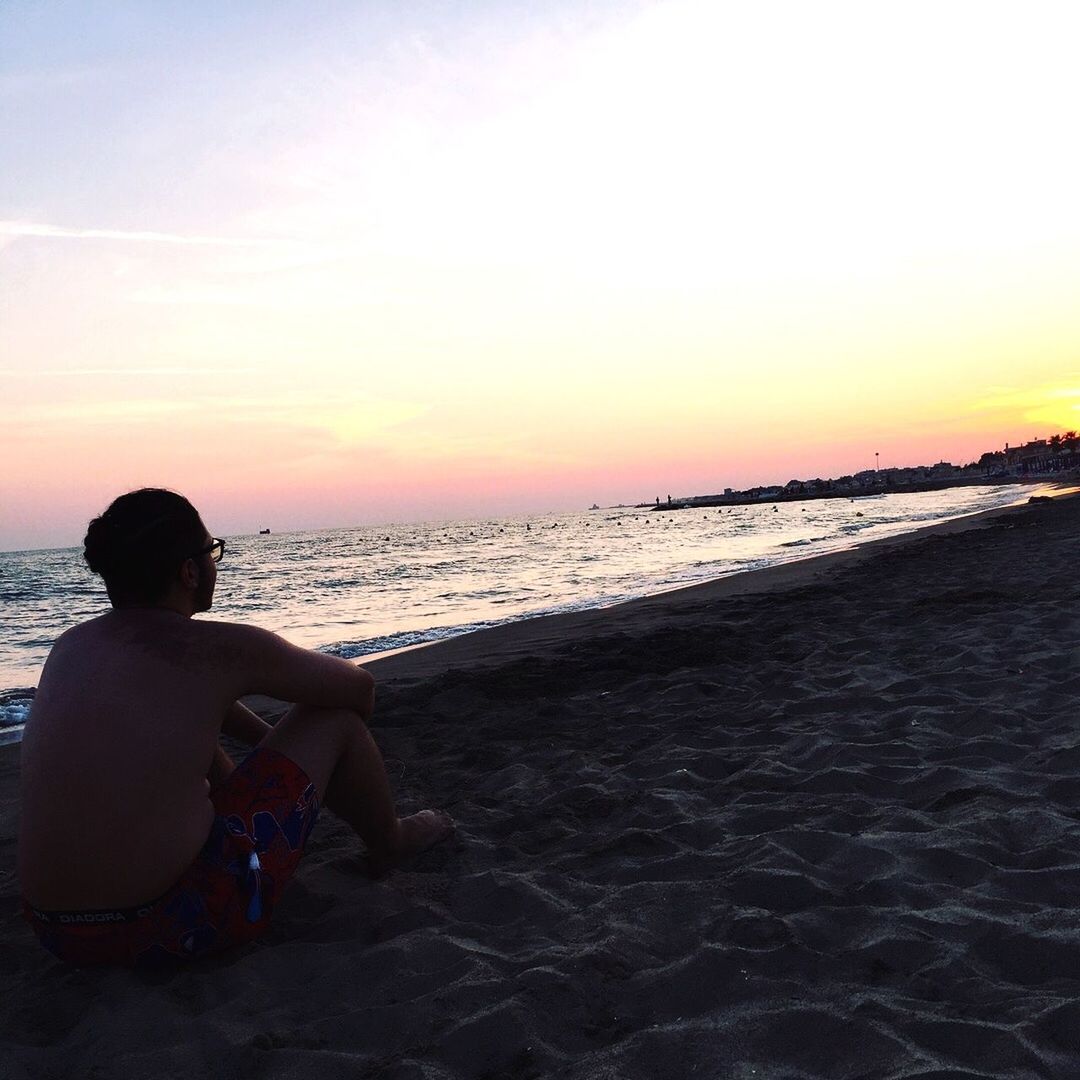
[817, 822]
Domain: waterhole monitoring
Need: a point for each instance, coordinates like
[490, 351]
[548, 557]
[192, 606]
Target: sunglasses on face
[215, 550]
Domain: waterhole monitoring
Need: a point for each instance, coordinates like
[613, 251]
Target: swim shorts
[265, 811]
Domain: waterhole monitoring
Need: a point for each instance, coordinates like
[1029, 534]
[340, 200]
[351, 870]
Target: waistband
[89, 918]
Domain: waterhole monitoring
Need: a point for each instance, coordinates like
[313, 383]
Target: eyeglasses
[215, 550]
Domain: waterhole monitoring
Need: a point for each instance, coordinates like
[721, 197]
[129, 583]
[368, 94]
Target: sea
[371, 589]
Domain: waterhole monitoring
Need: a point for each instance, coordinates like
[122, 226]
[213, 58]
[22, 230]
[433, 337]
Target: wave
[14, 710]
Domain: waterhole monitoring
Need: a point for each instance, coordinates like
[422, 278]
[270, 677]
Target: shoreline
[492, 644]
[495, 641]
[817, 822]
[871, 491]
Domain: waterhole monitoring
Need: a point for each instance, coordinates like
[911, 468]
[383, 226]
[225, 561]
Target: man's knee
[315, 739]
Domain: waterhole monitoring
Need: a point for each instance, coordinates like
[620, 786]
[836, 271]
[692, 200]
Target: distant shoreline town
[1035, 460]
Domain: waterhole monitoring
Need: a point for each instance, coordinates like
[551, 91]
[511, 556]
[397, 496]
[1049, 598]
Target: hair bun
[99, 547]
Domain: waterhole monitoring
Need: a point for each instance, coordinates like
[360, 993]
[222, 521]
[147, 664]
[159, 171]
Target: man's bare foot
[416, 833]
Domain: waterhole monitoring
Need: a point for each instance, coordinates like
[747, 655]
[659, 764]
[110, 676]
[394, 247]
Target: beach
[821, 820]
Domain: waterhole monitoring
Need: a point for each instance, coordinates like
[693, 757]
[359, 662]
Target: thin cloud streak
[56, 232]
[169, 371]
[340, 422]
[1032, 397]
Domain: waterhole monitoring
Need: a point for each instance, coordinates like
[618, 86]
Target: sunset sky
[330, 263]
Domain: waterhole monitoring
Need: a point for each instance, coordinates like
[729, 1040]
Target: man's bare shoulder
[232, 642]
[243, 636]
[222, 643]
[225, 631]
[83, 631]
[78, 640]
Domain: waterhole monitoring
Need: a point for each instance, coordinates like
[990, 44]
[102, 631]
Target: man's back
[114, 761]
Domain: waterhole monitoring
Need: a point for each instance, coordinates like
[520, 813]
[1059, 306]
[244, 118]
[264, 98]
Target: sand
[819, 822]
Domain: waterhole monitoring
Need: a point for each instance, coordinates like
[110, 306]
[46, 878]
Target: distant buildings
[1034, 458]
[1040, 457]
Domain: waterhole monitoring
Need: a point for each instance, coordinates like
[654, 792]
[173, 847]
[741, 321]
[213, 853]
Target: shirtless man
[140, 839]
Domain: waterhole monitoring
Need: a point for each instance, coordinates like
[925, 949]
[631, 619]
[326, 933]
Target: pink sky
[390, 264]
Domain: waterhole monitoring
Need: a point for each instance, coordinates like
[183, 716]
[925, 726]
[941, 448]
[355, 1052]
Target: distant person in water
[140, 840]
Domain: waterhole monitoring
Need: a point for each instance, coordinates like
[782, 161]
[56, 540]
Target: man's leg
[336, 750]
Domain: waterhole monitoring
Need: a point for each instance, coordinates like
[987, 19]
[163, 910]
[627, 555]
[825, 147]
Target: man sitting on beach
[140, 839]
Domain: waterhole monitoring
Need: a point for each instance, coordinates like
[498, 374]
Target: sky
[324, 264]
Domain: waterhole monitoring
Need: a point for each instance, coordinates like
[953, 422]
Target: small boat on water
[264, 532]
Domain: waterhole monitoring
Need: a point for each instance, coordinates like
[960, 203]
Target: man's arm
[243, 725]
[268, 664]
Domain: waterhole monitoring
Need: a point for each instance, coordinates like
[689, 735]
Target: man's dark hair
[138, 544]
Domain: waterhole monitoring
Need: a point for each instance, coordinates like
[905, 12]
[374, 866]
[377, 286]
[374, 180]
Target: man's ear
[189, 574]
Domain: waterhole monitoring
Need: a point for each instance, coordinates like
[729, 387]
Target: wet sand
[818, 821]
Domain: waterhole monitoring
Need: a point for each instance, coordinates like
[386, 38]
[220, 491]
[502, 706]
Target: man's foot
[416, 833]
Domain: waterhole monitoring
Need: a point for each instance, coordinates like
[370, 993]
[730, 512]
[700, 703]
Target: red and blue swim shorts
[265, 811]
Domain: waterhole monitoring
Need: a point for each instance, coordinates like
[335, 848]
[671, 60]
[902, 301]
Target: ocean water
[370, 589]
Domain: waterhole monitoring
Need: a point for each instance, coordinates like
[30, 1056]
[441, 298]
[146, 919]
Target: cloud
[124, 372]
[1032, 397]
[306, 292]
[332, 422]
[200, 295]
[14, 229]
[1053, 406]
[101, 412]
